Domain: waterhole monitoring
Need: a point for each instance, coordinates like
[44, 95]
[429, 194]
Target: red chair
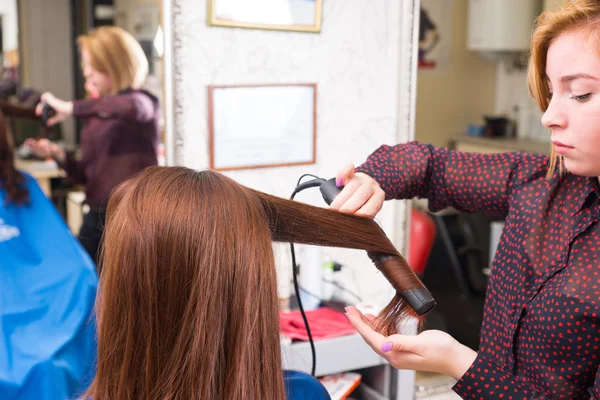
[422, 237]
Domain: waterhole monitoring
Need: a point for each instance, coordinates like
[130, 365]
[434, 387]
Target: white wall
[513, 99]
[10, 26]
[512, 91]
[460, 94]
[355, 63]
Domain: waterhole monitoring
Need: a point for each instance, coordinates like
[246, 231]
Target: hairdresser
[121, 134]
[541, 328]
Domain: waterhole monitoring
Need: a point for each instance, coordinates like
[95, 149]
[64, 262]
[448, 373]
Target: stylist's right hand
[64, 109]
[361, 195]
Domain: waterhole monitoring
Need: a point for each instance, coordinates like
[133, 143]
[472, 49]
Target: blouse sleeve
[470, 182]
[136, 107]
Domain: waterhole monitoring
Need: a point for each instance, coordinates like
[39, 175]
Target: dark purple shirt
[119, 139]
[540, 337]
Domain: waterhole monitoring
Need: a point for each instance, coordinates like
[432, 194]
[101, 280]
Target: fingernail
[386, 347]
[346, 308]
[338, 182]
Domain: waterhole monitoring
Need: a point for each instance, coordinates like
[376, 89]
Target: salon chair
[457, 274]
[422, 236]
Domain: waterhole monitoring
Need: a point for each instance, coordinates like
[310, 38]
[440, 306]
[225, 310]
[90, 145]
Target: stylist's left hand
[431, 350]
[64, 109]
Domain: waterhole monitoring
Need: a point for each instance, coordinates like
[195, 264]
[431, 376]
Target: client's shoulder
[301, 386]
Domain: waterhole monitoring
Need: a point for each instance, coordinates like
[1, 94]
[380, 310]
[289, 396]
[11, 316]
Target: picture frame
[261, 126]
[283, 15]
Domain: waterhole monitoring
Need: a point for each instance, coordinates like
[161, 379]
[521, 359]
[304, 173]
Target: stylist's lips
[92, 91]
[561, 148]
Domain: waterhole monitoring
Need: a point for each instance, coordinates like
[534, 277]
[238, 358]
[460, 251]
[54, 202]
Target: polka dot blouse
[540, 337]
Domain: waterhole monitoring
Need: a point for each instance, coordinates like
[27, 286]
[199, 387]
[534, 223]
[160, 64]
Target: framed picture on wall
[286, 15]
[258, 126]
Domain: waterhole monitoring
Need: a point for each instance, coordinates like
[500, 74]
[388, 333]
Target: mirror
[48, 53]
[39, 53]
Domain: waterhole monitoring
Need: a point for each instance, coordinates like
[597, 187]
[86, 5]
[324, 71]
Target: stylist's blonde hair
[114, 52]
[581, 16]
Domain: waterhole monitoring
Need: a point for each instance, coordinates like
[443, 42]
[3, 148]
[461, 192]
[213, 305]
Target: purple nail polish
[386, 347]
[338, 182]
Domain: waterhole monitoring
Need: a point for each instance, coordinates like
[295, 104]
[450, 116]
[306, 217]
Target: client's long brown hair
[188, 305]
[297, 222]
[10, 180]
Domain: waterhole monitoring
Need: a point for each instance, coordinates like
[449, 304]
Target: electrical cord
[306, 185]
[302, 177]
[316, 182]
[297, 290]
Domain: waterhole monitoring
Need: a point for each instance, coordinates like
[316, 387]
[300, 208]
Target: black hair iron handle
[47, 113]
[329, 190]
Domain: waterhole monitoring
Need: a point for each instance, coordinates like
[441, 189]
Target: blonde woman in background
[121, 134]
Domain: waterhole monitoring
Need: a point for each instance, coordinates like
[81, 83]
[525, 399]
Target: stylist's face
[573, 116]
[96, 83]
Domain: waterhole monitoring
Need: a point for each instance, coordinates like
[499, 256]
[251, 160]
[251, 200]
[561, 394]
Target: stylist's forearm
[462, 360]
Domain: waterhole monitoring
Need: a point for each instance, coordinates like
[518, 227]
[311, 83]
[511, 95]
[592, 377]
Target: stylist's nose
[554, 117]
[87, 72]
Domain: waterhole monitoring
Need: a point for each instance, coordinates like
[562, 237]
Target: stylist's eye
[582, 98]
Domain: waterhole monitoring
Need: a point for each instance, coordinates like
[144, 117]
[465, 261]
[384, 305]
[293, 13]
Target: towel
[324, 323]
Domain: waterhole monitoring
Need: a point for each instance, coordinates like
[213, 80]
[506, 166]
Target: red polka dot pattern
[540, 337]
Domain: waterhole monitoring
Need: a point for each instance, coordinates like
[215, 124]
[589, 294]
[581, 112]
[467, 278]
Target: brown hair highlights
[292, 221]
[188, 305]
[575, 16]
[114, 52]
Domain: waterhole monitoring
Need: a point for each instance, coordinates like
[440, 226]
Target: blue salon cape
[47, 291]
[302, 386]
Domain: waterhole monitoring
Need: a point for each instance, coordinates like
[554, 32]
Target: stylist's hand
[64, 109]
[44, 148]
[361, 195]
[431, 350]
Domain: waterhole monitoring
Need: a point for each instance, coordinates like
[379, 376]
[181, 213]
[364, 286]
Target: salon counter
[351, 353]
[478, 144]
[42, 172]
